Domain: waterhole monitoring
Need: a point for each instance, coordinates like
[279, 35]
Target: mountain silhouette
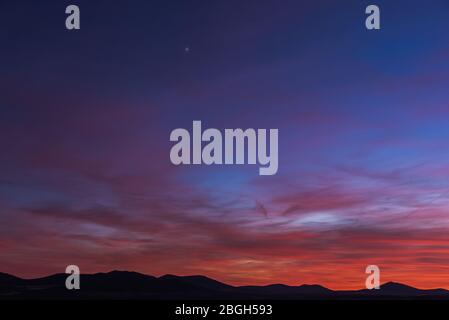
[399, 289]
[8, 280]
[133, 285]
[284, 291]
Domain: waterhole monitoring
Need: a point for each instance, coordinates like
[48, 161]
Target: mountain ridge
[133, 285]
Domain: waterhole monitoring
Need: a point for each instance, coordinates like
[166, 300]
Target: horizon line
[235, 286]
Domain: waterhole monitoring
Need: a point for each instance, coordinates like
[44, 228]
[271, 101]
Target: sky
[363, 119]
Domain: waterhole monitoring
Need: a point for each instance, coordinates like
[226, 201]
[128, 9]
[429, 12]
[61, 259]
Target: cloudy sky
[363, 119]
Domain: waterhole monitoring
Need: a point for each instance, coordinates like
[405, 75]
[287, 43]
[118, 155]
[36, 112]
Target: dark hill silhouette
[8, 280]
[198, 280]
[399, 289]
[284, 291]
[133, 285]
